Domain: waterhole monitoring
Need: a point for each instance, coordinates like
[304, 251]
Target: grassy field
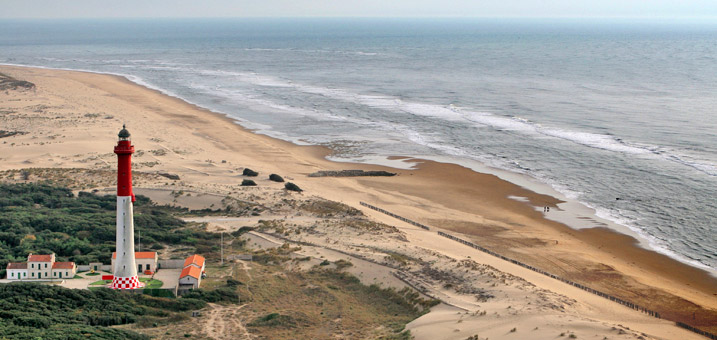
[148, 282]
[278, 301]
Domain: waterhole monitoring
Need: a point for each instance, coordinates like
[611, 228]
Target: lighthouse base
[126, 283]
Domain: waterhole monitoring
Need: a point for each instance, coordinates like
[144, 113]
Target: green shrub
[221, 294]
[273, 320]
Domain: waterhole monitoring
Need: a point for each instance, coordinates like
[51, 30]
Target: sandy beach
[70, 120]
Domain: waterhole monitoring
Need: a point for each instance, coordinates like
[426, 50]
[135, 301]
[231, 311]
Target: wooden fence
[538, 270]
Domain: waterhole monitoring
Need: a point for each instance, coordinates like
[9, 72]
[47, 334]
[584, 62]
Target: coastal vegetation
[36, 311]
[281, 302]
[278, 300]
[43, 219]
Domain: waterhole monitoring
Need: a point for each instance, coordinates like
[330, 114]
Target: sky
[661, 9]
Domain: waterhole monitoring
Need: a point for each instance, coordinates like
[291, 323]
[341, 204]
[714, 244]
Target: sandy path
[223, 323]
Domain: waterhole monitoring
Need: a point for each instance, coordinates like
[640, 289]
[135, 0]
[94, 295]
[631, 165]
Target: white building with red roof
[191, 275]
[40, 267]
[146, 261]
[16, 271]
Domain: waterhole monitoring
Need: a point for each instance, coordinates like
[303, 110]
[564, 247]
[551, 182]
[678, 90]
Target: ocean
[618, 115]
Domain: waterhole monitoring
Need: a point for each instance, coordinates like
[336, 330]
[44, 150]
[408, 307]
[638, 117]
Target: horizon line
[649, 18]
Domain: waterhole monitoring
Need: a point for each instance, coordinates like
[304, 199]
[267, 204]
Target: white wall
[12, 274]
[188, 280]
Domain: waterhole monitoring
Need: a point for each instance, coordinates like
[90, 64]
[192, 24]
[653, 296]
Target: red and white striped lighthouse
[125, 270]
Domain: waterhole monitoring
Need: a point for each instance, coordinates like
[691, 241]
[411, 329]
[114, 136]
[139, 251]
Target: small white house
[63, 270]
[17, 271]
[191, 275]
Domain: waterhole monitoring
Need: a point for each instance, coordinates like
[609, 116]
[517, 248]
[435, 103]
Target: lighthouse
[125, 270]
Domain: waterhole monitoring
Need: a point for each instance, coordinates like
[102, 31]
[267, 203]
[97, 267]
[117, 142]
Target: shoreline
[469, 202]
[572, 211]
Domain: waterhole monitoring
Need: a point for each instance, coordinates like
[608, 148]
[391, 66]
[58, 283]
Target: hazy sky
[358, 8]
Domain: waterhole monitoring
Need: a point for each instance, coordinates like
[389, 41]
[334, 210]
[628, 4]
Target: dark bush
[292, 187]
[233, 283]
[276, 178]
[250, 172]
[273, 320]
[32, 311]
[178, 305]
[248, 183]
[222, 294]
[241, 231]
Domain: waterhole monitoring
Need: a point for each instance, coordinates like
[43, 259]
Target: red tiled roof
[63, 265]
[140, 255]
[191, 271]
[17, 265]
[39, 258]
[195, 259]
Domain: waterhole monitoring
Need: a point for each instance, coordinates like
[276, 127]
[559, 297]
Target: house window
[12, 274]
[54, 274]
[24, 274]
[45, 274]
[32, 274]
[32, 265]
[45, 267]
[60, 274]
